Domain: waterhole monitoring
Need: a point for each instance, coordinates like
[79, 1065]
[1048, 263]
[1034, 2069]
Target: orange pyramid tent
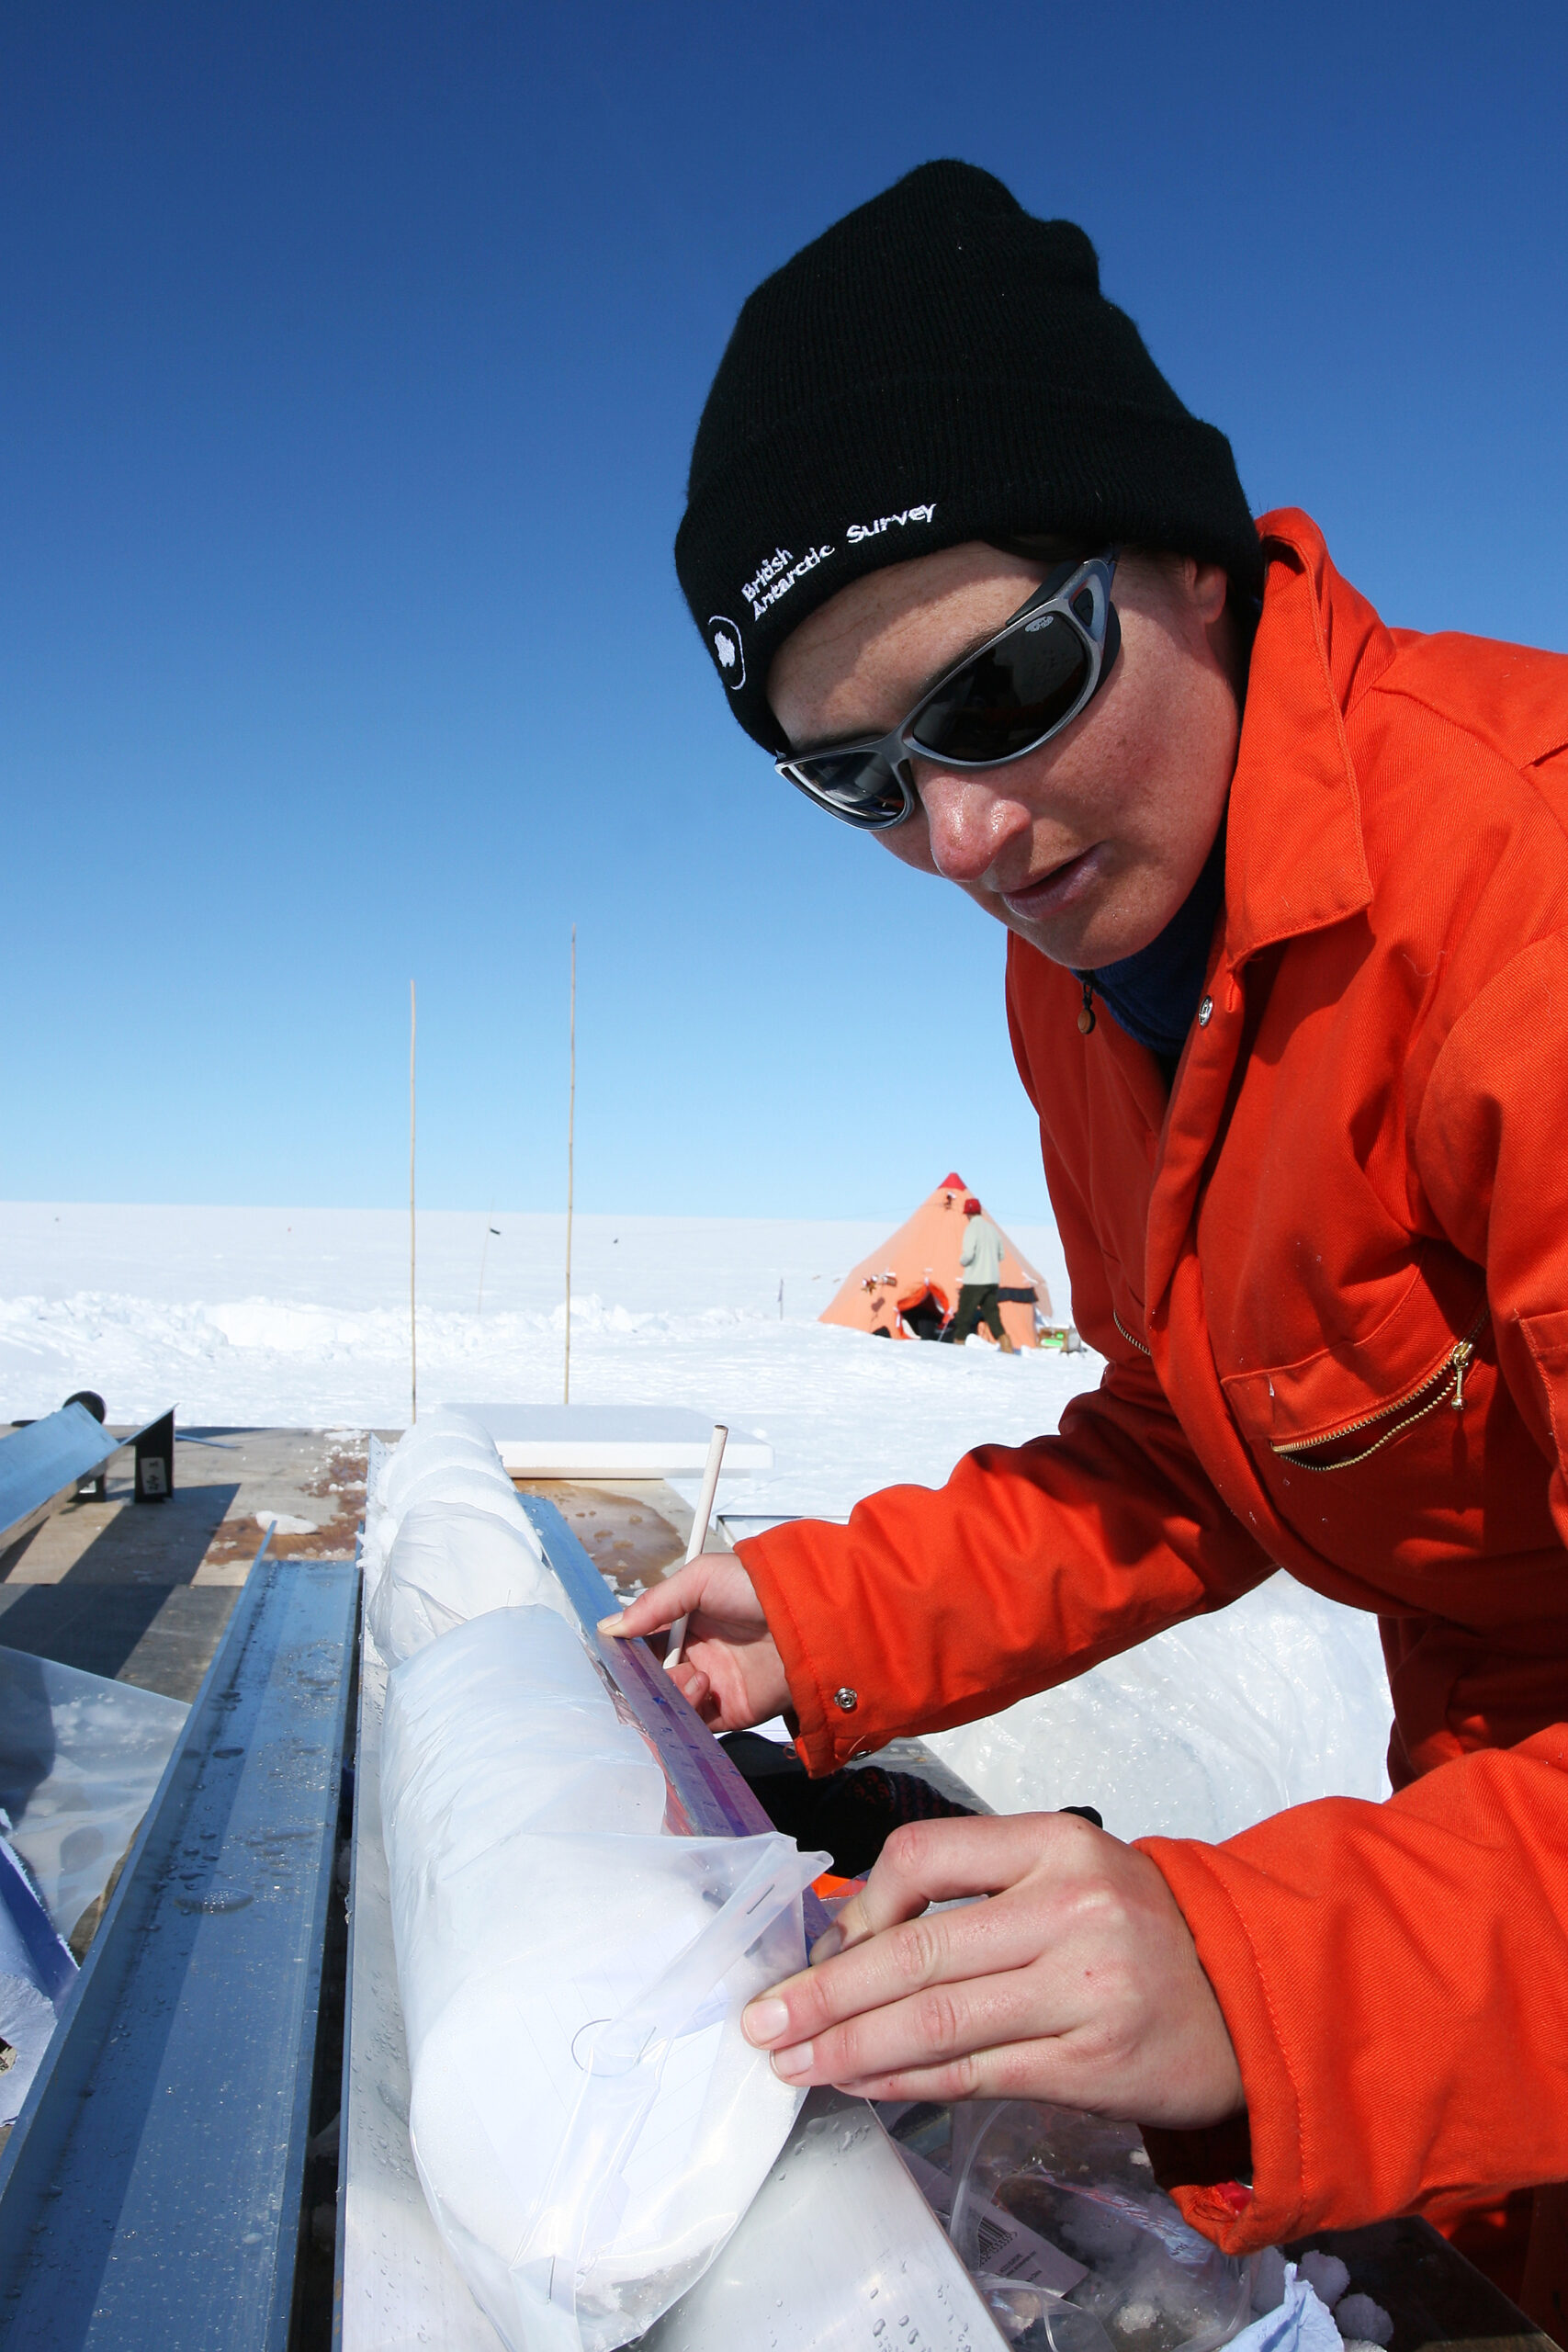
[909, 1287]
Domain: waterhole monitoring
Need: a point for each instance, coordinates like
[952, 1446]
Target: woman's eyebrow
[944, 669]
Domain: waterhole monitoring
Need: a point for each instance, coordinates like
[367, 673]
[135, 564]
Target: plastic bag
[466, 1482]
[1051, 2206]
[506, 1711]
[450, 1561]
[441, 1420]
[80, 1759]
[422, 1447]
[37, 1972]
[1279, 1699]
[1298, 2321]
[446, 1458]
[588, 2121]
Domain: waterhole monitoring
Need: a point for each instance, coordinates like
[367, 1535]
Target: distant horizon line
[608, 1217]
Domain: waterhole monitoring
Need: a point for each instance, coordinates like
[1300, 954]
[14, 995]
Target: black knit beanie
[938, 367]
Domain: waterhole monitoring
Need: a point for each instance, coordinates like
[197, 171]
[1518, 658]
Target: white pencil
[699, 1534]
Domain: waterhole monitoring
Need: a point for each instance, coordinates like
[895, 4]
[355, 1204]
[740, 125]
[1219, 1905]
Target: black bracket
[155, 1461]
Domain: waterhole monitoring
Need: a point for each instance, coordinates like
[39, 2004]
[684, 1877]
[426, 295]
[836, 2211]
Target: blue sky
[352, 357]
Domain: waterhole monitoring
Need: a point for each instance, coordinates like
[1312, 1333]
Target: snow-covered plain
[300, 1318]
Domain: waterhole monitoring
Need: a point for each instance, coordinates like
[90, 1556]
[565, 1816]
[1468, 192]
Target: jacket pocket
[1356, 1441]
[1333, 1408]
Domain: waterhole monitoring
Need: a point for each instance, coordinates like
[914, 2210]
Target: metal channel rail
[149, 2193]
[712, 1797]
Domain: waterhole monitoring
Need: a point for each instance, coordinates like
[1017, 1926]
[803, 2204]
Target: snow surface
[284, 1317]
[299, 1318]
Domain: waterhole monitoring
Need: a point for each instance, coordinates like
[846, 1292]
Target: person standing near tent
[1287, 893]
[980, 1265]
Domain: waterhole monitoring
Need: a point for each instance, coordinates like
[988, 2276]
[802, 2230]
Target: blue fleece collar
[1153, 995]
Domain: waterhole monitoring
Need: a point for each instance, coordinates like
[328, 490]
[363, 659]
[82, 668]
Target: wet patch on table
[319, 1519]
[626, 1538]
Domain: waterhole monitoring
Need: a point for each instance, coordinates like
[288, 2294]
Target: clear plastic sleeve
[588, 2121]
[446, 1458]
[449, 1562]
[1051, 2207]
[80, 1759]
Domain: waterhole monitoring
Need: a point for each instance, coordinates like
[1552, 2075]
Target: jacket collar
[1295, 861]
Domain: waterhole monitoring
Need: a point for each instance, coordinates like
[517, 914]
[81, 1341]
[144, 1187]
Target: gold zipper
[1127, 1335]
[1447, 1382]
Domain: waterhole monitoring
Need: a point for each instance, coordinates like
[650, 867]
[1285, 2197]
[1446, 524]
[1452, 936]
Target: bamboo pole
[484, 1252]
[413, 1336]
[570, 1134]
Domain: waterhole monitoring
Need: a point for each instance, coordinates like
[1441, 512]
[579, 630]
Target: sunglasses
[1007, 698]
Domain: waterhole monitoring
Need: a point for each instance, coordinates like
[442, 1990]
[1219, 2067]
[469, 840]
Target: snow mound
[1274, 1700]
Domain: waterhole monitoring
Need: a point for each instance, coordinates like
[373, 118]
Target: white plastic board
[612, 1441]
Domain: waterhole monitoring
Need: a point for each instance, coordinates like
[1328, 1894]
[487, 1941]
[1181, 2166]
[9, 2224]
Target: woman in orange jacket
[1288, 982]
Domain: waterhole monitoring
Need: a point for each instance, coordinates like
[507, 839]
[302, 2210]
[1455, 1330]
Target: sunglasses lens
[857, 785]
[1007, 697]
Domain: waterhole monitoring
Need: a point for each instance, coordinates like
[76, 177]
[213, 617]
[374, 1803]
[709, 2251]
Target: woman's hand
[1077, 1981]
[730, 1670]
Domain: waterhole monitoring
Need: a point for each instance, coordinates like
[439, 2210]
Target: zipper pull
[1461, 1356]
[1086, 1011]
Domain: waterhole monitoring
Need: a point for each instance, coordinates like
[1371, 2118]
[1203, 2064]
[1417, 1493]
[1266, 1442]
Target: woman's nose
[969, 823]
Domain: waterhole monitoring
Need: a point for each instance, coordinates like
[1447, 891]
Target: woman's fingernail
[826, 1944]
[792, 2063]
[764, 2022]
[609, 1625]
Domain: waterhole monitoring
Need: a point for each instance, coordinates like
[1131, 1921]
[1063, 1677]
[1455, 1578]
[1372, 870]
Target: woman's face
[1088, 847]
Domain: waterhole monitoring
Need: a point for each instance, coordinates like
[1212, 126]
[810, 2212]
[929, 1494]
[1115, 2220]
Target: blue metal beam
[149, 2194]
[711, 1793]
[42, 1464]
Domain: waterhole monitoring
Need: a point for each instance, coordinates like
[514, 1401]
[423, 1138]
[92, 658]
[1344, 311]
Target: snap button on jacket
[1330, 1276]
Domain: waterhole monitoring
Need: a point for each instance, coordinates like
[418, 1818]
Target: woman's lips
[1061, 888]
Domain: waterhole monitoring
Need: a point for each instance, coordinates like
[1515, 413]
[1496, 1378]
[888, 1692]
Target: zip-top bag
[588, 2121]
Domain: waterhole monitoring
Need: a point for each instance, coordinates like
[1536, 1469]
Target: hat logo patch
[728, 651]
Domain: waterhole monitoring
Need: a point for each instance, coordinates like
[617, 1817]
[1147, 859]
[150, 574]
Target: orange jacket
[1331, 1278]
